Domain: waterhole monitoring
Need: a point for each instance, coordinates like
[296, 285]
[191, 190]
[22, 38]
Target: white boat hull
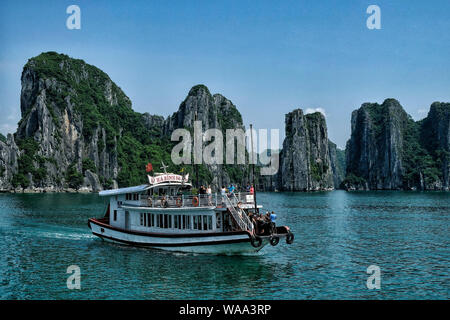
[214, 243]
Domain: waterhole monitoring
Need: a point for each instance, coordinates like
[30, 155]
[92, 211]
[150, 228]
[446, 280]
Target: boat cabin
[166, 206]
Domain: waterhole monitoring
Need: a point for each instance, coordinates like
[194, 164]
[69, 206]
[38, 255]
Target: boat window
[136, 196]
[142, 219]
[145, 219]
[205, 222]
[179, 222]
[209, 222]
[188, 222]
[184, 222]
[115, 215]
[199, 222]
[195, 222]
[157, 221]
[166, 221]
[175, 221]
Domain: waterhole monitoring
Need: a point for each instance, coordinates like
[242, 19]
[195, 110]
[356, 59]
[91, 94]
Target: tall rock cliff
[9, 154]
[435, 139]
[217, 112]
[305, 158]
[337, 160]
[70, 119]
[386, 150]
[78, 131]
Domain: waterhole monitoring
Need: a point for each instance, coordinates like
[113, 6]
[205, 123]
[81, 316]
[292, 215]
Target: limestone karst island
[78, 132]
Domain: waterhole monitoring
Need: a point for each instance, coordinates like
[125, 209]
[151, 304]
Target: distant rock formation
[9, 154]
[214, 111]
[308, 160]
[388, 150]
[78, 131]
[435, 139]
[337, 160]
[305, 160]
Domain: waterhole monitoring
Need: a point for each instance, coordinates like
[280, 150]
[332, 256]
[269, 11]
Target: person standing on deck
[223, 192]
[209, 193]
[252, 190]
[273, 218]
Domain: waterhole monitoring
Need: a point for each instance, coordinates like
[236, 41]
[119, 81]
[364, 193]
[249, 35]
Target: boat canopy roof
[159, 180]
[115, 192]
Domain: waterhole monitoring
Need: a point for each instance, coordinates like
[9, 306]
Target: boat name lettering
[167, 178]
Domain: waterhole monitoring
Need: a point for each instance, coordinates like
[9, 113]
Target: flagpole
[196, 166]
[253, 168]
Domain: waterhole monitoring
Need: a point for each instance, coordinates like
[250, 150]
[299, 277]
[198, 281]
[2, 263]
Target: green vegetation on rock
[88, 164]
[74, 178]
[27, 165]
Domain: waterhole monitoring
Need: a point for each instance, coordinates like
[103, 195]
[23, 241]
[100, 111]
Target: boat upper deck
[182, 201]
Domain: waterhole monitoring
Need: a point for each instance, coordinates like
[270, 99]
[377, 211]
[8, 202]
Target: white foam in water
[67, 236]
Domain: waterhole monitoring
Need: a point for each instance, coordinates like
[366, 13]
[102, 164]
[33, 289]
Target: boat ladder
[239, 215]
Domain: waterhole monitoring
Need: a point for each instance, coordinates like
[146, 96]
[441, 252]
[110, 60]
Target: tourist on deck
[223, 192]
[273, 218]
[247, 188]
[201, 192]
[252, 190]
[231, 189]
[209, 193]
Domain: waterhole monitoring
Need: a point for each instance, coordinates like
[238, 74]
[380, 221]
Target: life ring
[290, 238]
[195, 201]
[179, 202]
[256, 242]
[274, 241]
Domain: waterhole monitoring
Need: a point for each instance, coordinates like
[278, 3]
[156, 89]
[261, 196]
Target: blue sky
[267, 57]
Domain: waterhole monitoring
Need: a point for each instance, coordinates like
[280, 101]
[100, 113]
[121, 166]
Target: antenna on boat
[253, 168]
[164, 167]
[196, 166]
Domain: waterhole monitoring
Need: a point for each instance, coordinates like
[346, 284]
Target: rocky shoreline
[48, 190]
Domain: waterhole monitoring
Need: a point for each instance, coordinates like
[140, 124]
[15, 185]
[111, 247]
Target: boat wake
[65, 236]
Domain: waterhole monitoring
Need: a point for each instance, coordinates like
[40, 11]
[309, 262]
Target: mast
[196, 165]
[253, 168]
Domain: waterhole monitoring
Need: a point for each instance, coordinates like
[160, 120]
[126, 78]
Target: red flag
[149, 167]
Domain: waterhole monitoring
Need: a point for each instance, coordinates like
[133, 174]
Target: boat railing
[178, 201]
[243, 197]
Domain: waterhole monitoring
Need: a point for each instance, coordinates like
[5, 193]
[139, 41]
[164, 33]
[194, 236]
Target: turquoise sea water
[337, 236]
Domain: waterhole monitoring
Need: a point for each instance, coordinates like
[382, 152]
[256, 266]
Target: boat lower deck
[231, 242]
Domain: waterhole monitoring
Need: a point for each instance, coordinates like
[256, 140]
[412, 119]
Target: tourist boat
[164, 214]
